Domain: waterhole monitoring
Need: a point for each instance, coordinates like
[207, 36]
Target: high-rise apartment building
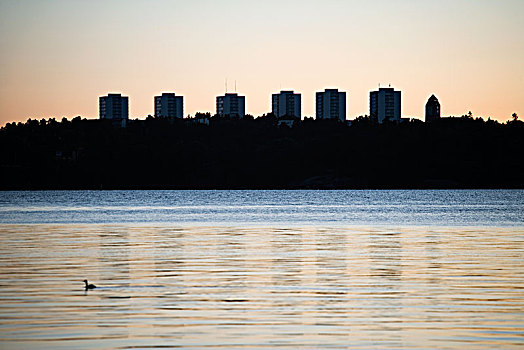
[169, 106]
[286, 104]
[432, 109]
[231, 105]
[114, 106]
[331, 104]
[385, 104]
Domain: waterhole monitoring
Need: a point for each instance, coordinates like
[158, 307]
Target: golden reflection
[188, 286]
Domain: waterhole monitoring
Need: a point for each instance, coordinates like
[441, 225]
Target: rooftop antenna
[379, 85]
[235, 85]
[226, 85]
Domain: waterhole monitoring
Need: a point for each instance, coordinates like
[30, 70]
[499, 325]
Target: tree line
[258, 153]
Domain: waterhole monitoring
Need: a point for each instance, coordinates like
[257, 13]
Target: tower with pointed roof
[432, 109]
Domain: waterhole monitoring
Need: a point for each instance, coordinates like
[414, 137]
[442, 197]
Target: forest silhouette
[249, 153]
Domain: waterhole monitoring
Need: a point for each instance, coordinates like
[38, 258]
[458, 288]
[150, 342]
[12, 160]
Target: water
[262, 269]
[275, 208]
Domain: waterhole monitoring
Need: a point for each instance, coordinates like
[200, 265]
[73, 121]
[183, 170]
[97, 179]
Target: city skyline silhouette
[57, 55]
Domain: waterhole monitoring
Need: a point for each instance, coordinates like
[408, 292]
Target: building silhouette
[331, 104]
[286, 103]
[432, 109]
[169, 106]
[385, 104]
[114, 106]
[231, 105]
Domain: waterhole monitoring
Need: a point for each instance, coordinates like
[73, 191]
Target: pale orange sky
[58, 56]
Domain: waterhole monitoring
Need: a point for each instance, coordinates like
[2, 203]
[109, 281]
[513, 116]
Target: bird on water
[89, 286]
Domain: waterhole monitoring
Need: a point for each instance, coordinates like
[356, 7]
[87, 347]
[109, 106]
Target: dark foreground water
[262, 269]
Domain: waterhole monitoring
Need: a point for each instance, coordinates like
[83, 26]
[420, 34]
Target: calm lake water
[262, 269]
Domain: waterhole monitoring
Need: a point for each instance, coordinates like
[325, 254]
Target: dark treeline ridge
[462, 152]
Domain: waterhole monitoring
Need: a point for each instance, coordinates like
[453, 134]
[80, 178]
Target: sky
[58, 56]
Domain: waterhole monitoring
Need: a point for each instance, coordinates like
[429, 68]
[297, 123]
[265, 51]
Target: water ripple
[169, 286]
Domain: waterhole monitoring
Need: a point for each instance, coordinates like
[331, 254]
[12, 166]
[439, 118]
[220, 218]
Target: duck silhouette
[89, 286]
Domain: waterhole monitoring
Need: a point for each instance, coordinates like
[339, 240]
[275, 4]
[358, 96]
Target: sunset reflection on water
[261, 287]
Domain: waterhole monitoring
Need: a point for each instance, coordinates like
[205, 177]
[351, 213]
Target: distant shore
[452, 153]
